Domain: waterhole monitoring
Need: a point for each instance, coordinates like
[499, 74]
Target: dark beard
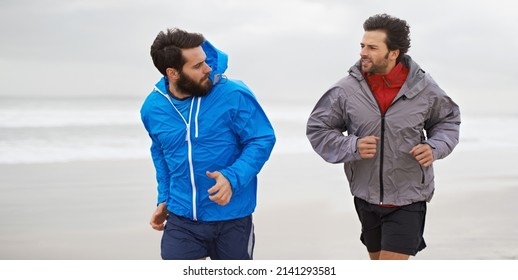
[188, 86]
[379, 68]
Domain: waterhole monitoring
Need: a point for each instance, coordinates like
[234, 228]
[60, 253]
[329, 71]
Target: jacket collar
[415, 81]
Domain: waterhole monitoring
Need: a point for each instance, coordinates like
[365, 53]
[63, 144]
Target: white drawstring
[196, 118]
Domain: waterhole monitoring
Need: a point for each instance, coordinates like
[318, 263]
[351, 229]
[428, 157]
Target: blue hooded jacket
[225, 131]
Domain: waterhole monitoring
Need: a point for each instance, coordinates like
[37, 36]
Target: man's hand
[159, 216]
[221, 192]
[367, 146]
[423, 154]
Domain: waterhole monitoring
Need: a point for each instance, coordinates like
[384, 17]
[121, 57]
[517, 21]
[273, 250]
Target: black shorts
[395, 229]
[184, 239]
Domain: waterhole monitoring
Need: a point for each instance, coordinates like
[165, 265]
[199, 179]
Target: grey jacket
[420, 113]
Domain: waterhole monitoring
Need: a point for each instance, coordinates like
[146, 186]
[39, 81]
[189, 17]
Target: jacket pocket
[423, 175]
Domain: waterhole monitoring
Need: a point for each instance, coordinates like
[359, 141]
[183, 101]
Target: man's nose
[363, 52]
[207, 68]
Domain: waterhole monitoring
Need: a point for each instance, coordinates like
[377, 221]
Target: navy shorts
[395, 229]
[185, 239]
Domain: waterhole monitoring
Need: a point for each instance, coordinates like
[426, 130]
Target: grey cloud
[285, 50]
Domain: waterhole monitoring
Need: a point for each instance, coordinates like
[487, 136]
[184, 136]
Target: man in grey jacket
[398, 121]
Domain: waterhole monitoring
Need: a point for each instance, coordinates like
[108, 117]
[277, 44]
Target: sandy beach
[99, 210]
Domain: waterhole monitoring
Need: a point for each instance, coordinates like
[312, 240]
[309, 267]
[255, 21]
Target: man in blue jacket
[210, 138]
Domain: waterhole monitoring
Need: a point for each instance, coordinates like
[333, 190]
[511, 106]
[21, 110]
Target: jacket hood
[216, 59]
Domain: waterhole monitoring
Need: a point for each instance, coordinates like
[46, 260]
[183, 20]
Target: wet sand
[100, 210]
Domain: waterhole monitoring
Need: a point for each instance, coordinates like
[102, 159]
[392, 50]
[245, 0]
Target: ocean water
[46, 130]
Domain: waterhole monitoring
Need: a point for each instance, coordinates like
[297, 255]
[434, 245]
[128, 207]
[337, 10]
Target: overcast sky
[286, 51]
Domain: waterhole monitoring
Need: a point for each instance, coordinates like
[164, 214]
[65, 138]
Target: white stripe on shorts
[251, 242]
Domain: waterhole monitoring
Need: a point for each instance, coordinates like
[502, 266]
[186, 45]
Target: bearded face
[376, 58]
[191, 87]
[375, 65]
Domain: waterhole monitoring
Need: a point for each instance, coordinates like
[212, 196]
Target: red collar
[394, 79]
[386, 87]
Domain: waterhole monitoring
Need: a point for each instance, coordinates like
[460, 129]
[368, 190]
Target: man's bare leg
[387, 255]
[374, 256]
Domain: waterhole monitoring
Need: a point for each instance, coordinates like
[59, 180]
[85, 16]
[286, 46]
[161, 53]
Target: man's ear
[172, 73]
[394, 54]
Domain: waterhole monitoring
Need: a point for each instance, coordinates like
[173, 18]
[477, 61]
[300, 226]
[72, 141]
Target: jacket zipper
[189, 146]
[189, 157]
[382, 144]
[191, 164]
[382, 141]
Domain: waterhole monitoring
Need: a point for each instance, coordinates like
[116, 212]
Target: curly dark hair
[397, 30]
[166, 50]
